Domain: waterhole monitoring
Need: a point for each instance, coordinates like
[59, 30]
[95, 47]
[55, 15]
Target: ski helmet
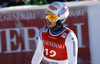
[57, 11]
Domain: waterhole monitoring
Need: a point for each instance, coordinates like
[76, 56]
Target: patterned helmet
[59, 9]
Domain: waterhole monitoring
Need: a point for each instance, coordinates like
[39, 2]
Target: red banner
[19, 32]
[78, 22]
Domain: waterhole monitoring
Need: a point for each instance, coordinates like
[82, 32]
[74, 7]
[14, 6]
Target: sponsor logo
[52, 37]
[52, 44]
[63, 35]
[74, 47]
[52, 7]
[73, 38]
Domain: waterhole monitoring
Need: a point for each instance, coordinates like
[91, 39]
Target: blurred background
[21, 20]
[6, 3]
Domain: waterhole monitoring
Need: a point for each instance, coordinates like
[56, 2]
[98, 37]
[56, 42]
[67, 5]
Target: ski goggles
[51, 17]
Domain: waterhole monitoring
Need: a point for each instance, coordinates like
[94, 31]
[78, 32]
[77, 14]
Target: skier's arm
[72, 48]
[37, 57]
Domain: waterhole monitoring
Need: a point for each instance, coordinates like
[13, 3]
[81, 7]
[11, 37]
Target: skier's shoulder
[70, 32]
[67, 30]
[43, 29]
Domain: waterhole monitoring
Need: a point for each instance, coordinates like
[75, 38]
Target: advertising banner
[78, 22]
[19, 32]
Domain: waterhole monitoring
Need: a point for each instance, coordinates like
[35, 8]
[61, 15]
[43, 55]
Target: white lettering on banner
[17, 16]
[27, 39]
[1, 18]
[79, 34]
[77, 12]
[24, 32]
[10, 40]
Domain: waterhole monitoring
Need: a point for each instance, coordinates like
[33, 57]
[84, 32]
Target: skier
[57, 44]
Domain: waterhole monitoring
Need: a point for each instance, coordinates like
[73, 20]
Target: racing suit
[56, 47]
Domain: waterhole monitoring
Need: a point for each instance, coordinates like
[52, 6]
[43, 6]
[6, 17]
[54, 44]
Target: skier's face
[50, 24]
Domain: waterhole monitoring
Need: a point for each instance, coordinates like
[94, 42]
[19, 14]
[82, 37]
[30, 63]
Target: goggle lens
[51, 16]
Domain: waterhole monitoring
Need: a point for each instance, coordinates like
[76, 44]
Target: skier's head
[56, 14]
